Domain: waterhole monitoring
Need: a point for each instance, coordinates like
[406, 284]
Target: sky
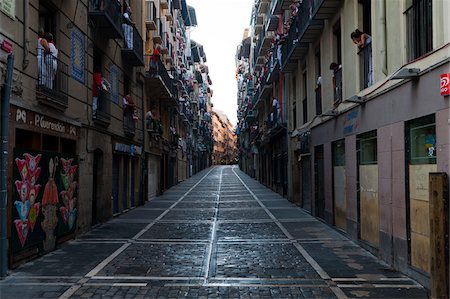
[220, 29]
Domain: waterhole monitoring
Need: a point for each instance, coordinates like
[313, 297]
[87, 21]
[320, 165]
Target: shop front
[43, 183]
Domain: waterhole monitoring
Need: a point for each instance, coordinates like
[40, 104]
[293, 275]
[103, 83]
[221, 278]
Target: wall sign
[8, 7]
[445, 84]
[77, 55]
[129, 149]
[114, 80]
[43, 122]
[351, 122]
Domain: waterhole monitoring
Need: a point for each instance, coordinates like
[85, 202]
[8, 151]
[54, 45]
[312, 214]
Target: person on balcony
[363, 40]
[51, 62]
[276, 110]
[154, 57]
[42, 50]
[96, 89]
[128, 26]
[129, 110]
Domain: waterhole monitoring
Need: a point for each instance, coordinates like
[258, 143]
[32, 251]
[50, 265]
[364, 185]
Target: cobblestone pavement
[219, 234]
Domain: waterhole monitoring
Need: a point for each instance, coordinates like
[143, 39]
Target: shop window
[28, 140]
[50, 143]
[368, 148]
[68, 146]
[339, 153]
[422, 140]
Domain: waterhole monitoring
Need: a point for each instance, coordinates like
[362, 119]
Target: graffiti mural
[44, 199]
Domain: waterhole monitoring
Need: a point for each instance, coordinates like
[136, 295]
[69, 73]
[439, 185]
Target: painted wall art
[44, 199]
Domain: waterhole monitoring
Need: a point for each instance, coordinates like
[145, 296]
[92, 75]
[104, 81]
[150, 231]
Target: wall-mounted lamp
[356, 99]
[331, 113]
[407, 73]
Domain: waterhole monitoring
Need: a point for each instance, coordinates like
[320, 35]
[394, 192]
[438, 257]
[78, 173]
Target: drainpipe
[4, 166]
[143, 153]
[26, 39]
[381, 8]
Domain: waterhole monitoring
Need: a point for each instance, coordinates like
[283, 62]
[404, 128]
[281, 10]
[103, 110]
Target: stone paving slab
[113, 230]
[143, 214]
[261, 261]
[198, 214]
[253, 213]
[72, 259]
[197, 231]
[234, 231]
[312, 229]
[165, 260]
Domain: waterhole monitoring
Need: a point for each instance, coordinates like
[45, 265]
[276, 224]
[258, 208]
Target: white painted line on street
[214, 229]
[69, 292]
[388, 286]
[120, 284]
[106, 261]
[146, 278]
[36, 284]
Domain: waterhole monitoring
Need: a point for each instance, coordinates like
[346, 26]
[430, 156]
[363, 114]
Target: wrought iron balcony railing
[133, 50]
[366, 67]
[107, 17]
[53, 81]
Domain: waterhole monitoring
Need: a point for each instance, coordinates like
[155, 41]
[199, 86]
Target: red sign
[6, 46]
[445, 84]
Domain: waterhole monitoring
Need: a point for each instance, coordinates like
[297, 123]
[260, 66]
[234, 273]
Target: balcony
[263, 6]
[150, 15]
[272, 23]
[337, 84]
[53, 82]
[176, 4]
[366, 67]
[250, 117]
[164, 4]
[305, 29]
[129, 124]
[158, 33]
[133, 50]
[280, 5]
[106, 17]
[102, 114]
[273, 67]
[159, 83]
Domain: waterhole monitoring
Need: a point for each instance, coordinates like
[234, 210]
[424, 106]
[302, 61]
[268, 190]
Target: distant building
[225, 149]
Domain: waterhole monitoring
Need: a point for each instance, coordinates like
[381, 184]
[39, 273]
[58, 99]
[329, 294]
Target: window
[339, 153]
[422, 140]
[318, 82]
[367, 15]
[419, 28]
[294, 102]
[367, 143]
[337, 55]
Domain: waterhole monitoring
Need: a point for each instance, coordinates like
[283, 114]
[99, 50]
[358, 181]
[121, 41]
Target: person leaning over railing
[51, 62]
[363, 40]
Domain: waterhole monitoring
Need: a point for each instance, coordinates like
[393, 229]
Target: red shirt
[155, 54]
[96, 83]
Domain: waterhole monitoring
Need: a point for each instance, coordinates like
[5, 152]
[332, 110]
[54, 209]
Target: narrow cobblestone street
[219, 234]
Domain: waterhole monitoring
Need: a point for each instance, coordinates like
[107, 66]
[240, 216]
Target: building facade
[367, 122]
[178, 96]
[80, 141]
